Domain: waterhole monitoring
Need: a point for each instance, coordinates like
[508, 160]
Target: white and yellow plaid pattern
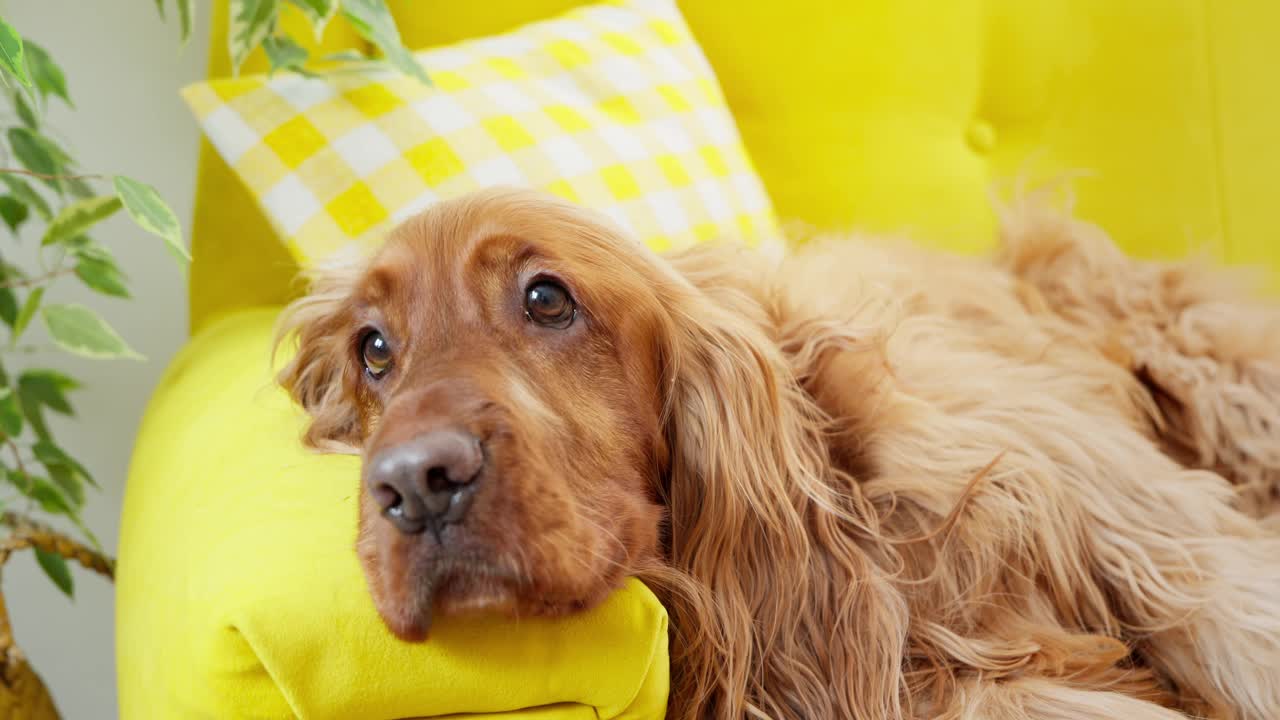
[612, 106]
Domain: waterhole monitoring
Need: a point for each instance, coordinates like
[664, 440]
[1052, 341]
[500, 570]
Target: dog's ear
[761, 522]
[320, 375]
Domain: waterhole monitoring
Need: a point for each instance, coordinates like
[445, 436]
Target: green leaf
[68, 483]
[48, 77]
[48, 388]
[12, 57]
[151, 213]
[19, 481]
[79, 216]
[13, 212]
[27, 312]
[82, 247]
[55, 566]
[54, 457]
[79, 187]
[284, 54]
[55, 150]
[34, 413]
[319, 12]
[345, 56]
[33, 154]
[26, 195]
[10, 413]
[38, 154]
[251, 22]
[81, 244]
[8, 306]
[77, 329]
[84, 530]
[23, 108]
[51, 499]
[374, 22]
[186, 15]
[102, 275]
[160, 8]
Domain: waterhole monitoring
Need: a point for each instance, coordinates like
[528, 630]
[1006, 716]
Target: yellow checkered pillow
[613, 106]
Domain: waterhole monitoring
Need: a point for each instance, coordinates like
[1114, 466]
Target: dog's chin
[410, 601]
[409, 606]
[463, 595]
[415, 579]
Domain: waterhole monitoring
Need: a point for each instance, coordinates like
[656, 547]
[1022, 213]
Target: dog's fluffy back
[974, 488]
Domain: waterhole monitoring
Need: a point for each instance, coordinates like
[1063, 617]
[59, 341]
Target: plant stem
[29, 282]
[46, 176]
[26, 533]
[17, 459]
[20, 686]
[26, 349]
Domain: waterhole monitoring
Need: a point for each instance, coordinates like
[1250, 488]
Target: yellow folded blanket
[240, 596]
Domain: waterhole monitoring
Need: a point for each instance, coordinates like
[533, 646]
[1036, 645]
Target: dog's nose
[427, 482]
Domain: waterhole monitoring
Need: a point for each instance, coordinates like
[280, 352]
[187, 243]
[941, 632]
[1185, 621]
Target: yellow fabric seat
[888, 115]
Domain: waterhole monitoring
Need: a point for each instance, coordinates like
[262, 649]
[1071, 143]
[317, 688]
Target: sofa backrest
[903, 115]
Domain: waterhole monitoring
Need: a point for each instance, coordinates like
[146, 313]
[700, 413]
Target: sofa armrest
[240, 595]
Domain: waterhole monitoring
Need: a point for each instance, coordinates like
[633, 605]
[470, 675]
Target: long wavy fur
[957, 489]
[316, 374]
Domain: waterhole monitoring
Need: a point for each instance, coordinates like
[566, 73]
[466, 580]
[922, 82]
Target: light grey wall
[124, 68]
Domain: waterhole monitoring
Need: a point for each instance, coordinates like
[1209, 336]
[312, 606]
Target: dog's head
[498, 364]
[545, 408]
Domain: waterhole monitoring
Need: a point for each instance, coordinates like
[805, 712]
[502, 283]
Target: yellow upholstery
[899, 115]
[239, 593]
[891, 115]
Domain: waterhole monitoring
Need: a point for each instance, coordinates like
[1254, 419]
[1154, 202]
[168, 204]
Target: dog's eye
[375, 352]
[549, 304]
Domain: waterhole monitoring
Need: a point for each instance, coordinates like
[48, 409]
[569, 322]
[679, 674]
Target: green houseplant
[45, 195]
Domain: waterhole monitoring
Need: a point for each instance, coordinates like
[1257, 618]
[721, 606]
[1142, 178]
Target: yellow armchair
[888, 115]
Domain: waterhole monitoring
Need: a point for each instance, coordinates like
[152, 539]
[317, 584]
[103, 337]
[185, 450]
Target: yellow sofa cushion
[901, 114]
[612, 106]
[239, 593]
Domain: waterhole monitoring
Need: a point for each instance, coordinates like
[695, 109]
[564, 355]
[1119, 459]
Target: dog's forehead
[436, 266]
[421, 254]
[451, 238]
[435, 274]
